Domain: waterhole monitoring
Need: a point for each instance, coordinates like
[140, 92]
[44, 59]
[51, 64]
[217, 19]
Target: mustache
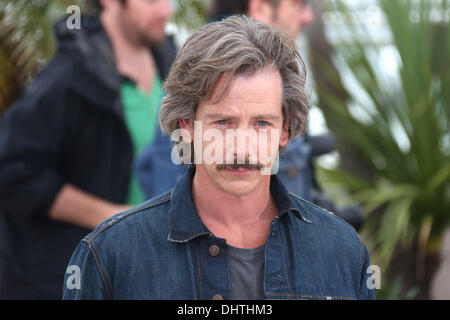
[246, 165]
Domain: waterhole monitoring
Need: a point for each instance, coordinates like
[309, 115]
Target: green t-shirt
[141, 117]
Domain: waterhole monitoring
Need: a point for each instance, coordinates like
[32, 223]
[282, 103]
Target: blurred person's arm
[75, 206]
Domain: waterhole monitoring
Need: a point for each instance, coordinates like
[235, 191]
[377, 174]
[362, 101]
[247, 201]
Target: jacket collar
[184, 222]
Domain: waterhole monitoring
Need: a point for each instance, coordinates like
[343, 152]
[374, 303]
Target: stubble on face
[140, 25]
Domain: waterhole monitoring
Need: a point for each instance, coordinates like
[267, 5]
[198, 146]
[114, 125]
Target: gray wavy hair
[234, 46]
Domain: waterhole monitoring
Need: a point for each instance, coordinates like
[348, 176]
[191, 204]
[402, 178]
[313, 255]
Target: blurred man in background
[288, 15]
[67, 147]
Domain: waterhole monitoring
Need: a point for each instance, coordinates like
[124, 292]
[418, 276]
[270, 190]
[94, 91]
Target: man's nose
[307, 16]
[246, 143]
[165, 9]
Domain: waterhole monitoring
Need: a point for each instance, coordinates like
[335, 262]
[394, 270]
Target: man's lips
[239, 171]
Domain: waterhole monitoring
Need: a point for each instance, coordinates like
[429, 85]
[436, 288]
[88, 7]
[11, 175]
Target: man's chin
[240, 183]
[239, 188]
[152, 39]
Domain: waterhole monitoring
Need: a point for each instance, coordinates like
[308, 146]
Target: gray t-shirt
[246, 273]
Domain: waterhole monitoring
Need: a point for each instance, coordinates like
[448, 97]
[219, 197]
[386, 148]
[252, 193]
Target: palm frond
[26, 42]
[399, 125]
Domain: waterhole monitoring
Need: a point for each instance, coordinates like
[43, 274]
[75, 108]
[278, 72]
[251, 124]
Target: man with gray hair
[226, 231]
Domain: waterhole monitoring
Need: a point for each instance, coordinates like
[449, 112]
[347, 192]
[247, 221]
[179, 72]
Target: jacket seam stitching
[97, 259]
[109, 284]
[136, 210]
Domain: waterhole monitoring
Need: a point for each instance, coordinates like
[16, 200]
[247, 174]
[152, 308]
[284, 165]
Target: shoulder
[150, 215]
[327, 226]
[56, 74]
[47, 88]
[113, 242]
[314, 213]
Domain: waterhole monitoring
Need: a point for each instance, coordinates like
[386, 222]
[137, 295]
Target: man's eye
[222, 122]
[262, 123]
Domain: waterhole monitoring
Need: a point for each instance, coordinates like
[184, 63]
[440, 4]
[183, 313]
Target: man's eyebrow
[268, 116]
[217, 115]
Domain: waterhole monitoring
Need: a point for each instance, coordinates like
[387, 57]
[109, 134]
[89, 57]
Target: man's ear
[284, 136]
[186, 125]
[260, 10]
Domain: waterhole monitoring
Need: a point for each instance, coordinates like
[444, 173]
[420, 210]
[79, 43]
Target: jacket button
[214, 250]
[217, 297]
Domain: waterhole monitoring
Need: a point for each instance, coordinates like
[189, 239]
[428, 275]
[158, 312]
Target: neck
[132, 59]
[243, 220]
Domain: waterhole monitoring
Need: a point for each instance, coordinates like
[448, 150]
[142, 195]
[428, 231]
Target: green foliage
[400, 125]
[26, 42]
[190, 14]
[394, 291]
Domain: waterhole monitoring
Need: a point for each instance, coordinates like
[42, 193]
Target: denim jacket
[162, 250]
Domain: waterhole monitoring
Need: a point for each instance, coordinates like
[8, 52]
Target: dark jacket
[68, 128]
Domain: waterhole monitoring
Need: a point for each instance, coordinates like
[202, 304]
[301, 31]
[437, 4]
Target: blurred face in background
[142, 22]
[288, 15]
[292, 15]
